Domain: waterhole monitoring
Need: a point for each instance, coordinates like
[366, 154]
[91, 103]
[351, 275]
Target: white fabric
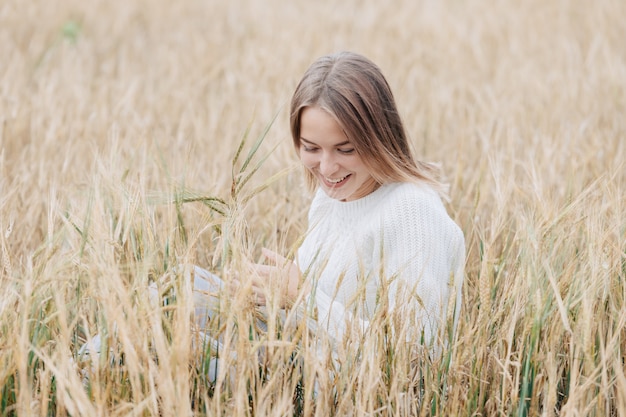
[399, 239]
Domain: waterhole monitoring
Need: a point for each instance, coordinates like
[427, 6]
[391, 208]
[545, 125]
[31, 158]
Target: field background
[119, 124]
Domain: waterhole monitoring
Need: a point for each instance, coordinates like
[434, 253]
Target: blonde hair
[353, 90]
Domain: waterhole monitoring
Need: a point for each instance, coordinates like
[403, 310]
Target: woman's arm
[422, 261]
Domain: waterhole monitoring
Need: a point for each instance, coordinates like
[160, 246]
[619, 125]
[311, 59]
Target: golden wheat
[120, 124]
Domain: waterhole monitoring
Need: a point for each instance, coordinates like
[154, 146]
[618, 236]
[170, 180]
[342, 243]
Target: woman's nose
[328, 165]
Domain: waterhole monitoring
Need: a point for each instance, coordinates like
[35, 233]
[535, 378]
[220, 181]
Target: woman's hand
[285, 273]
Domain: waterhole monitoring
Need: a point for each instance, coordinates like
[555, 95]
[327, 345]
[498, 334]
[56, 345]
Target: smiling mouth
[336, 181]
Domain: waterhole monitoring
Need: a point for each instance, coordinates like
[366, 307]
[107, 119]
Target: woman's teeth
[337, 181]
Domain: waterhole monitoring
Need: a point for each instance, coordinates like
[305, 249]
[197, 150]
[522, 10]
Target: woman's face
[326, 151]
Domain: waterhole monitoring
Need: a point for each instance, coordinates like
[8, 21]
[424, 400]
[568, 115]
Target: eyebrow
[347, 142]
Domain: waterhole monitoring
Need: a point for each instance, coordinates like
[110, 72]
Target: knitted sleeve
[334, 317]
[421, 259]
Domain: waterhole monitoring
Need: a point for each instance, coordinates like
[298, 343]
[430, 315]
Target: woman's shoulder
[409, 205]
[412, 195]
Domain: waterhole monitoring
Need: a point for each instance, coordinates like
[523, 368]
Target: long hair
[353, 90]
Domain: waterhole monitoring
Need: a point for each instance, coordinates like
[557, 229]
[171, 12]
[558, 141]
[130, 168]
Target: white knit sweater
[399, 239]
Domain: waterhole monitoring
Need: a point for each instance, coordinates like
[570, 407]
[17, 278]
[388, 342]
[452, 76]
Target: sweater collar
[358, 205]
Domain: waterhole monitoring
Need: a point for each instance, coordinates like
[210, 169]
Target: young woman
[379, 235]
[379, 239]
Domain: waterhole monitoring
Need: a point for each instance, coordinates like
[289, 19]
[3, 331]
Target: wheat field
[140, 135]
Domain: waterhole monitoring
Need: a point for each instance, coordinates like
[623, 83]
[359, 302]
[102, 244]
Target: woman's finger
[275, 257]
[258, 295]
[264, 270]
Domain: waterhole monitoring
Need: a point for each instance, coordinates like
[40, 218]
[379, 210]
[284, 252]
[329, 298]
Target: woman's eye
[307, 149]
[346, 151]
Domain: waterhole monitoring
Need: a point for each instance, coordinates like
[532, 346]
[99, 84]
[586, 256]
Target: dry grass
[119, 122]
